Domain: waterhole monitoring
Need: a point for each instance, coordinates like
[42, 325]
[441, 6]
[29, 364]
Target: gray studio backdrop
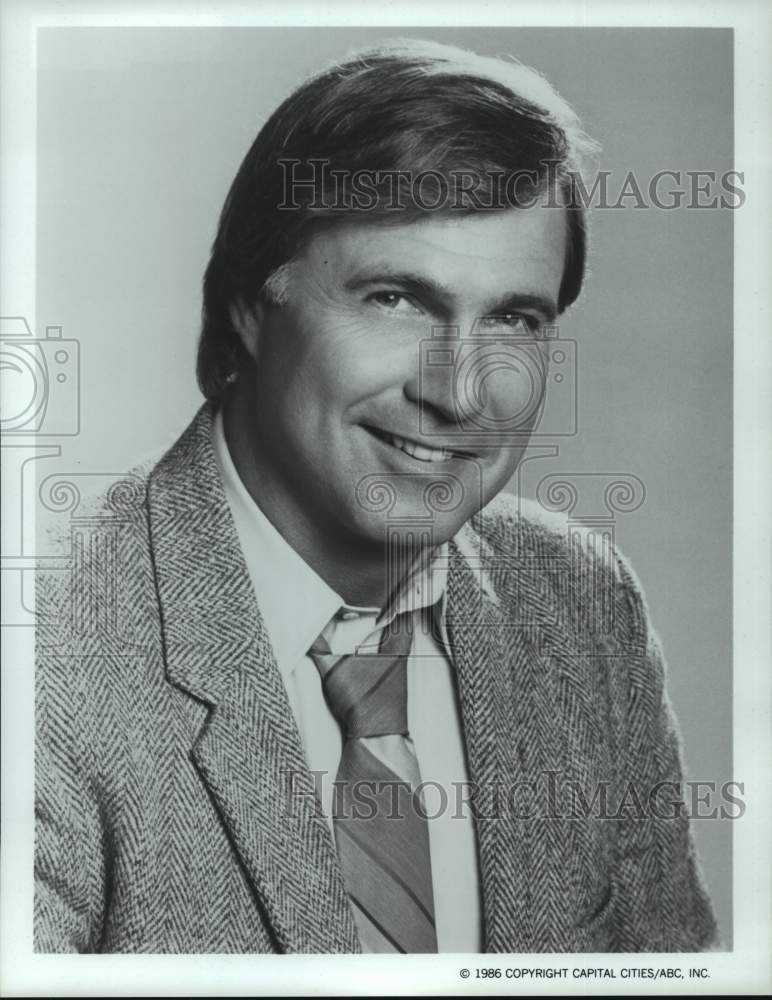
[140, 132]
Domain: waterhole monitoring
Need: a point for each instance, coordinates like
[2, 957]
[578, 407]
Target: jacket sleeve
[662, 899]
[70, 868]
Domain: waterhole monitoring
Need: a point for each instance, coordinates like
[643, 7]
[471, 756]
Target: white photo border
[744, 970]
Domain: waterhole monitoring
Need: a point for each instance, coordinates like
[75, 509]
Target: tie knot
[367, 692]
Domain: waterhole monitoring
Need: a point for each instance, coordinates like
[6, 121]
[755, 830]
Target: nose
[478, 384]
[431, 385]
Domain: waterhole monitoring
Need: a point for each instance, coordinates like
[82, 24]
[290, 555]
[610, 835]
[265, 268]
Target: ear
[247, 321]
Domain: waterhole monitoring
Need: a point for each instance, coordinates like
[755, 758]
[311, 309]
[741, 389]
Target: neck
[353, 567]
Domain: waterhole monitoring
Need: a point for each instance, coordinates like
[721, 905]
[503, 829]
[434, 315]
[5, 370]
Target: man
[330, 691]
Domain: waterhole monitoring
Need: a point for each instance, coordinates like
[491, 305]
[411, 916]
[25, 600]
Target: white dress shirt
[296, 606]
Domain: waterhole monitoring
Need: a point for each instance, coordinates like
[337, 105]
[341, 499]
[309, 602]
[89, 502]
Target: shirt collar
[295, 602]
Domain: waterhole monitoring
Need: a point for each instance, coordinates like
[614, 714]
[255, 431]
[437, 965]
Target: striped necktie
[380, 827]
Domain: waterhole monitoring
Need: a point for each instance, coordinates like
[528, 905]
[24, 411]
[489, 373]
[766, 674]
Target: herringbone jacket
[166, 747]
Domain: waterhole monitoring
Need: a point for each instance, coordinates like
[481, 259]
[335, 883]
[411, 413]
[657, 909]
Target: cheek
[348, 360]
[303, 357]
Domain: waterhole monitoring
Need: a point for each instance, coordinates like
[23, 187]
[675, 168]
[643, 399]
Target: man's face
[356, 415]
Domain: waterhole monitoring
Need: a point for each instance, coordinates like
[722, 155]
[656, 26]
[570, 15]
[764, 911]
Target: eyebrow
[439, 294]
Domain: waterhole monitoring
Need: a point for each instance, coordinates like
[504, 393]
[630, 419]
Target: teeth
[419, 451]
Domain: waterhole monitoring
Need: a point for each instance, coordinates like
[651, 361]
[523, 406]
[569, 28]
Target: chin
[413, 533]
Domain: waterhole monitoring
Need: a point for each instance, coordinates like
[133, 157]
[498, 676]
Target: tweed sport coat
[165, 742]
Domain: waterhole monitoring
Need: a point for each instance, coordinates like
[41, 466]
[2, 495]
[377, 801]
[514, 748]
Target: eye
[395, 302]
[512, 320]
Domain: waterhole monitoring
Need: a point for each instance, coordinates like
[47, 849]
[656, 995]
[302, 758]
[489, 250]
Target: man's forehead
[483, 248]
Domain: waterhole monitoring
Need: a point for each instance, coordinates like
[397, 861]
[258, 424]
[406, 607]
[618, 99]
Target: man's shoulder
[122, 502]
[572, 569]
[103, 562]
[511, 523]
[108, 544]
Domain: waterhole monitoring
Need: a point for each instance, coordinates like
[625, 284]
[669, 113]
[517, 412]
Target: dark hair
[404, 107]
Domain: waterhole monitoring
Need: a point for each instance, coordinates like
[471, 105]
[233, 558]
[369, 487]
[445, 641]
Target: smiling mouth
[416, 450]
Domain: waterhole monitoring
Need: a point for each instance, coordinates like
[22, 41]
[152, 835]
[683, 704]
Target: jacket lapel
[509, 706]
[248, 752]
